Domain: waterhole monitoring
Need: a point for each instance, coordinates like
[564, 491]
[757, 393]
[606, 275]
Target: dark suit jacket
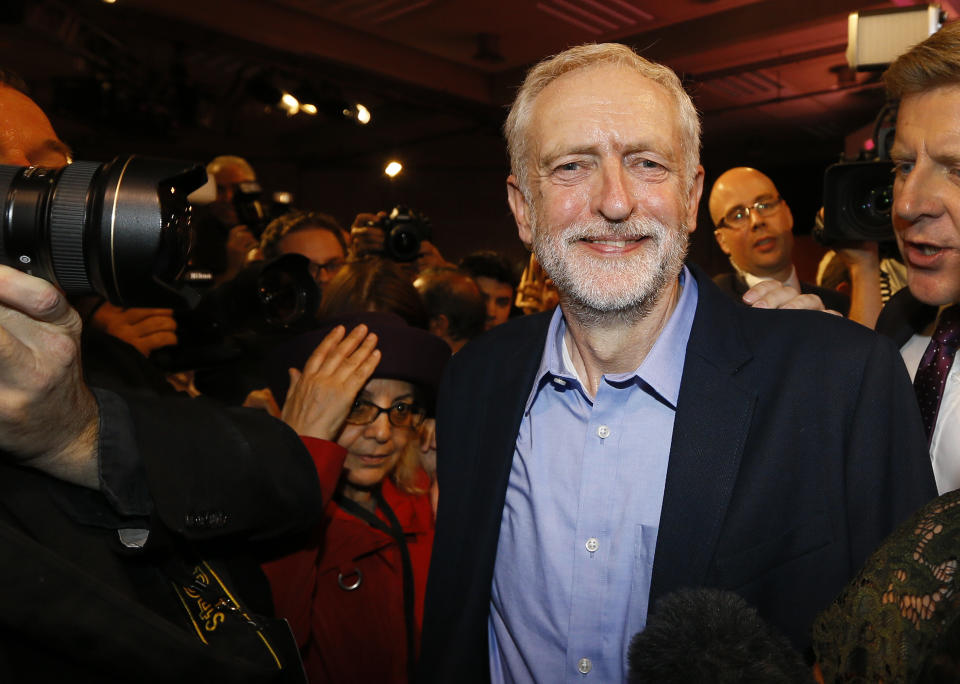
[797, 446]
[735, 286]
[904, 316]
[77, 606]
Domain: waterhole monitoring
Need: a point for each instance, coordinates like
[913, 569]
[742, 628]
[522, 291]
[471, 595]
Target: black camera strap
[395, 531]
[221, 621]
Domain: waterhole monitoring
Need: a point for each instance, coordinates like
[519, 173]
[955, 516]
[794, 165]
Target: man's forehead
[932, 115]
[602, 97]
[26, 135]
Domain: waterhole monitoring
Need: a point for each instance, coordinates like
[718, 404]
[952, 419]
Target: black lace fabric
[894, 612]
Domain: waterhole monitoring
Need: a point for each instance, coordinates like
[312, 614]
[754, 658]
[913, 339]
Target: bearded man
[649, 434]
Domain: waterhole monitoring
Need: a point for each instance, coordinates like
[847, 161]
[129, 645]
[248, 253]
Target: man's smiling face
[608, 210]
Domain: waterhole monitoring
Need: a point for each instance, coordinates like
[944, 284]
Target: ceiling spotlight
[363, 114]
[308, 108]
[289, 103]
[393, 168]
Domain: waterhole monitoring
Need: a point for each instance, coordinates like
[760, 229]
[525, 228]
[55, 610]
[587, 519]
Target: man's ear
[438, 325]
[722, 241]
[693, 199]
[520, 209]
[786, 208]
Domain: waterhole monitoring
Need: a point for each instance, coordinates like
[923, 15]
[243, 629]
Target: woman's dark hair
[373, 284]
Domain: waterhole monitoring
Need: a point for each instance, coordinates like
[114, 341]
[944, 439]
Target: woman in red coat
[353, 592]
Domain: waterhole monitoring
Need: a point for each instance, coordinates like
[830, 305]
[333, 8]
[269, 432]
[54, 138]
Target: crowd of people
[610, 467]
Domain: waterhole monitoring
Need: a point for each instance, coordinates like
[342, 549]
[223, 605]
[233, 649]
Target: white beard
[598, 289]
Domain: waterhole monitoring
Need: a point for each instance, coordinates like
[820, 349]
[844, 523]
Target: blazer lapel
[714, 411]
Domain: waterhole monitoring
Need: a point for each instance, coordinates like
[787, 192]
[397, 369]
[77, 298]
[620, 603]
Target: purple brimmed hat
[406, 353]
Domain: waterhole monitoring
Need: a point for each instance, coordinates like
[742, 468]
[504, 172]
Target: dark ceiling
[175, 78]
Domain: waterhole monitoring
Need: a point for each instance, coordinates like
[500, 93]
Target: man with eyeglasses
[754, 227]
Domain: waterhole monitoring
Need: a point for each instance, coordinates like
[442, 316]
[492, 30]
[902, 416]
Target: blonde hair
[581, 57]
[405, 472]
[928, 65]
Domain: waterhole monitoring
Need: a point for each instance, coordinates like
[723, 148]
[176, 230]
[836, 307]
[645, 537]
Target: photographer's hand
[366, 238]
[49, 419]
[862, 260]
[320, 397]
[145, 329]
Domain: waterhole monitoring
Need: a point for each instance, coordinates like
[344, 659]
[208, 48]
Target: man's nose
[614, 201]
[756, 220]
[917, 195]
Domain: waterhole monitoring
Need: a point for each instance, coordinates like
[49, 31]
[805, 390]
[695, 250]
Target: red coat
[359, 635]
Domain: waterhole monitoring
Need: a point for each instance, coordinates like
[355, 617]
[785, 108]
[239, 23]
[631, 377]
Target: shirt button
[584, 665]
[603, 432]
[592, 545]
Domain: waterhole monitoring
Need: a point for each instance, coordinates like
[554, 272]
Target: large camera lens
[120, 229]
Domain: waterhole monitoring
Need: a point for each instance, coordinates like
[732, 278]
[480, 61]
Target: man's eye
[569, 166]
[738, 214]
[902, 168]
[400, 408]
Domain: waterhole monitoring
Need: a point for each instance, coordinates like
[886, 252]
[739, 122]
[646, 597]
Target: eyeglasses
[401, 414]
[330, 267]
[739, 217]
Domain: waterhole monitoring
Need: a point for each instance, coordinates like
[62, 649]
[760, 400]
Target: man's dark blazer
[797, 446]
[734, 285]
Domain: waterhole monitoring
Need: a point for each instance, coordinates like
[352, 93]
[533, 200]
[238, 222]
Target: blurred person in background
[314, 235]
[754, 228]
[496, 280]
[455, 306]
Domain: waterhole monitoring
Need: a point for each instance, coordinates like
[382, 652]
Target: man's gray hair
[581, 57]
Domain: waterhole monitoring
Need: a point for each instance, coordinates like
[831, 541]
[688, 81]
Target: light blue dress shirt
[579, 530]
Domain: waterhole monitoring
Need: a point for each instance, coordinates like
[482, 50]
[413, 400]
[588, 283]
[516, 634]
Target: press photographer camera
[403, 231]
[120, 229]
[224, 336]
[253, 211]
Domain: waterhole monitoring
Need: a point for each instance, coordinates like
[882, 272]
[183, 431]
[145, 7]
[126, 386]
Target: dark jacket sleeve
[215, 472]
[888, 472]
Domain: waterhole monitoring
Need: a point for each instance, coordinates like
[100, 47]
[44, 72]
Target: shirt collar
[751, 280]
[662, 368]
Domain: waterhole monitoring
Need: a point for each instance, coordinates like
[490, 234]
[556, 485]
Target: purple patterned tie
[935, 365]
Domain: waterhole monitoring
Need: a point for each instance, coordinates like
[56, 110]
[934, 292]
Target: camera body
[404, 231]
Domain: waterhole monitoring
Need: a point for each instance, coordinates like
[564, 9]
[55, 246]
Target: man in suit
[926, 222]
[649, 434]
[754, 227]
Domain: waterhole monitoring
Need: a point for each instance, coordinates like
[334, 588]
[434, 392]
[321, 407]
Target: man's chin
[931, 289]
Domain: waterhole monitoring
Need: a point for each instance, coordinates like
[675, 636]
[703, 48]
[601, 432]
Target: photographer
[127, 519]
[402, 236]
[223, 243]
[314, 235]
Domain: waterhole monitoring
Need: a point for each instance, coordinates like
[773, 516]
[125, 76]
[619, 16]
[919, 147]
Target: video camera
[404, 230]
[858, 195]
